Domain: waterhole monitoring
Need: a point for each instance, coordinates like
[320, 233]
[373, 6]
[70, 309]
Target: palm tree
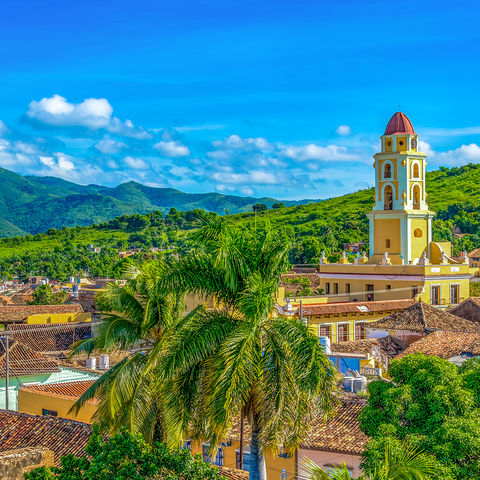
[401, 462]
[139, 317]
[237, 359]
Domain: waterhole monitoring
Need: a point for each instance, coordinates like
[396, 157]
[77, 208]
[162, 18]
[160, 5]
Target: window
[414, 292]
[387, 243]
[387, 171]
[360, 331]
[389, 287]
[454, 294]
[207, 457]
[435, 295]
[416, 171]
[187, 445]
[52, 413]
[388, 198]
[416, 197]
[325, 330]
[246, 460]
[370, 295]
[342, 332]
[327, 288]
[347, 288]
[335, 288]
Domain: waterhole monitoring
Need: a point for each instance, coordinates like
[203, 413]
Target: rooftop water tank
[91, 362]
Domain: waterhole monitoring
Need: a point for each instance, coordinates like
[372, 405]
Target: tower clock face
[413, 143]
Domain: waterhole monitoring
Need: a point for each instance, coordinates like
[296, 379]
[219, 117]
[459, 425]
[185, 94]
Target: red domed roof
[399, 123]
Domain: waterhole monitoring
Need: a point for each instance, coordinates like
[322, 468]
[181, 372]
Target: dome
[398, 124]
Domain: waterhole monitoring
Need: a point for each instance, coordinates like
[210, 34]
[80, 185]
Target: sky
[284, 98]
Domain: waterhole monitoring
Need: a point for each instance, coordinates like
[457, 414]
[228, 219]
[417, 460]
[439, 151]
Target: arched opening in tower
[388, 198]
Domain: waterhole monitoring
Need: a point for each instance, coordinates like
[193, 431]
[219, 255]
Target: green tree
[259, 207]
[127, 456]
[399, 462]
[140, 315]
[44, 295]
[278, 205]
[236, 359]
[428, 404]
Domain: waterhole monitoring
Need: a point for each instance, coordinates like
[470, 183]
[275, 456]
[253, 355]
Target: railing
[374, 372]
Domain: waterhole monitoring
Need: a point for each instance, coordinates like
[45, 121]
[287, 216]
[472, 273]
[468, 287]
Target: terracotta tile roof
[233, 473]
[474, 253]
[357, 307]
[70, 390]
[341, 434]
[17, 313]
[421, 317]
[389, 346]
[43, 338]
[62, 436]
[25, 361]
[468, 309]
[446, 344]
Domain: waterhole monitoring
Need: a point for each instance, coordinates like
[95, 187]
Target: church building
[404, 261]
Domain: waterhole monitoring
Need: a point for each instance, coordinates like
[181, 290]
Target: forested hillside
[35, 204]
[453, 193]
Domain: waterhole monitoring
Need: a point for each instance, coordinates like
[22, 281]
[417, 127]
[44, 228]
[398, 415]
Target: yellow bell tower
[400, 221]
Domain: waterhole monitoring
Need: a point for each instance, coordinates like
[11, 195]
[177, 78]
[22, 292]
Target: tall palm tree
[138, 318]
[237, 359]
[401, 462]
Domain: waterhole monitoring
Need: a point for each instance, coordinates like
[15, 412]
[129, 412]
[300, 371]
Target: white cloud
[109, 146]
[59, 165]
[459, 156]
[172, 149]
[237, 142]
[255, 176]
[316, 152]
[57, 111]
[343, 130]
[246, 191]
[136, 163]
[3, 128]
[127, 129]
[450, 132]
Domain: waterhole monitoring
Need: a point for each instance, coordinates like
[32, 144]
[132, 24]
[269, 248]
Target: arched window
[416, 171]
[387, 171]
[388, 198]
[416, 197]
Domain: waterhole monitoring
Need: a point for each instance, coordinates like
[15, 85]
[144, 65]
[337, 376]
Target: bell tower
[400, 221]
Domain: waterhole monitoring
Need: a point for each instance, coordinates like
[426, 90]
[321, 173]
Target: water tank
[104, 362]
[348, 383]
[91, 363]
[359, 384]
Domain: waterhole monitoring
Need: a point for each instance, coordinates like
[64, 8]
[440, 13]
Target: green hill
[311, 228]
[35, 204]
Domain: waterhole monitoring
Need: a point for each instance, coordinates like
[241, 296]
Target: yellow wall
[274, 464]
[387, 229]
[418, 244]
[34, 402]
[39, 318]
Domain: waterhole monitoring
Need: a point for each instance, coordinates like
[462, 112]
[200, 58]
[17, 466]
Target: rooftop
[70, 390]
[421, 317]
[357, 307]
[44, 338]
[25, 361]
[389, 346]
[446, 344]
[62, 436]
[399, 123]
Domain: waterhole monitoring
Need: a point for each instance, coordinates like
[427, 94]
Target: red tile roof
[389, 346]
[468, 309]
[233, 473]
[25, 361]
[357, 307]
[399, 123]
[424, 318]
[70, 390]
[62, 436]
[17, 313]
[446, 344]
[45, 338]
[340, 434]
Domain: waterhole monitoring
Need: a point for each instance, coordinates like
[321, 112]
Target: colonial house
[41, 313]
[28, 367]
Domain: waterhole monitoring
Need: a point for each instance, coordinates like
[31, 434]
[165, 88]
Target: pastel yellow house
[404, 261]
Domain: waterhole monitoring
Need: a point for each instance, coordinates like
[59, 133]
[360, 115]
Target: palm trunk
[258, 470]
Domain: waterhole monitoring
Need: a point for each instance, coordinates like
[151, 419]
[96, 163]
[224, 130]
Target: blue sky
[286, 98]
